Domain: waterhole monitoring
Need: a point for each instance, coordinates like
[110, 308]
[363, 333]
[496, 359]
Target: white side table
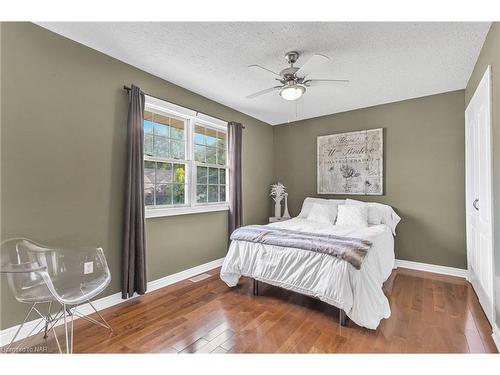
[274, 219]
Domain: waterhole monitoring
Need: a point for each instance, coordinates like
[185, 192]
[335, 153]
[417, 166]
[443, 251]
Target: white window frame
[191, 118]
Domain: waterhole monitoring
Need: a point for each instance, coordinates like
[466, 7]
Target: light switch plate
[88, 267]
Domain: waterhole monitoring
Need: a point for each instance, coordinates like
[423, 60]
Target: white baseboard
[496, 336]
[183, 275]
[7, 334]
[444, 270]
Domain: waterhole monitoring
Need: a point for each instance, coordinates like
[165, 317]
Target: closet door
[479, 193]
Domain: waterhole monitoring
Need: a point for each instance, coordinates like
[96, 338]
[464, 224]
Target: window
[185, 161]
[210, 159]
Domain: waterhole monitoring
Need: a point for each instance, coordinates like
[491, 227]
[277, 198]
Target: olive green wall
[423, 163]
[490, 55]
[63, 157]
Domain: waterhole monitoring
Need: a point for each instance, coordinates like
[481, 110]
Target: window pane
[222, 193]
[199, 135]
[148, 127]
[211, 155]
[163, 173]
[179, 173]
[148, 144]
[201, 175]
[177, 129]
[213, 176]
[221, 156]
[221, 140]
[149, 172]
[211, 137]
[199, 153]
[177, 149]
[213, 193]
[178, 193]
[161, 125]
[161, 147]
[149, 194]
[163, 194]
[161, 130]
[199, 139]
[222, 176]
[201, 193]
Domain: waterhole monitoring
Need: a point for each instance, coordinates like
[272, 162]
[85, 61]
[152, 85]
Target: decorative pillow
[321, 213]
[375, 213]
[388, 216]
[308, 202]
[356, 215]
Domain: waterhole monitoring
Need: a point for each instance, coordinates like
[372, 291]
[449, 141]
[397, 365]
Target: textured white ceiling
[385, 62]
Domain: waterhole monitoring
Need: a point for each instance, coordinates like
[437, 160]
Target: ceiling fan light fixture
[292, 92]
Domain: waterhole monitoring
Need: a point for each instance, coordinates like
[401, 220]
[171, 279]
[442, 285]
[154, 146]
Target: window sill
[161, 212]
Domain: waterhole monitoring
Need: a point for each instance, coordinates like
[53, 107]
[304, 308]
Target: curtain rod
[126, 88]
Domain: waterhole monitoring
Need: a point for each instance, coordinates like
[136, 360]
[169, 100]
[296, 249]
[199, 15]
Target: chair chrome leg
[69, 331]
[66, 328]
[49, 324]
[72, 327]
[47, 320]
[53, 323]
[100, 316]
[21, 326]
[31, 333]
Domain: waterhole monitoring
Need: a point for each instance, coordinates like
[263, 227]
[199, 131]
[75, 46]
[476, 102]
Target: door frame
[489, 310]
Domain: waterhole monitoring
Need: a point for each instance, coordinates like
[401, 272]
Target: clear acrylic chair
[70, 277]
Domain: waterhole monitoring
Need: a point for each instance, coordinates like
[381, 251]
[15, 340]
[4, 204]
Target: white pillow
[356, 215]
[308, 202]
[375, 213]
[321, 213]
[388, 216]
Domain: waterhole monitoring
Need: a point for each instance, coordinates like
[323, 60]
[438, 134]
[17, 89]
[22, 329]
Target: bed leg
[255, 287]
[343, 318]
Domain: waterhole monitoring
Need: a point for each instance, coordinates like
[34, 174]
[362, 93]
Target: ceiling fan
[294, 81]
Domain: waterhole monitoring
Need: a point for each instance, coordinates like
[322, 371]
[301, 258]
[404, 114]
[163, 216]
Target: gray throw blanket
[352, 250]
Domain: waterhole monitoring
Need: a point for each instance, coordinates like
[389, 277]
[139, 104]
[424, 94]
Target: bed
[357, 293]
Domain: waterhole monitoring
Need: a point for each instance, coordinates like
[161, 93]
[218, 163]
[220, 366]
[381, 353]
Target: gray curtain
[235, 200]
[134, 244]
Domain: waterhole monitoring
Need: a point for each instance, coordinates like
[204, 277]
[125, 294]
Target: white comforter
[332, 280]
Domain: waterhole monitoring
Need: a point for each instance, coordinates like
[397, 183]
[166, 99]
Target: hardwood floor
[430, 314]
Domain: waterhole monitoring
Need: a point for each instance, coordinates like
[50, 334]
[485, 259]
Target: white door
[479, 193]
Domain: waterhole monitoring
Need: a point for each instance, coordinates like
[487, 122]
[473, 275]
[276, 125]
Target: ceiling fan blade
[261, 67]
[262, 92]
[310, 82]
[314, 63]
